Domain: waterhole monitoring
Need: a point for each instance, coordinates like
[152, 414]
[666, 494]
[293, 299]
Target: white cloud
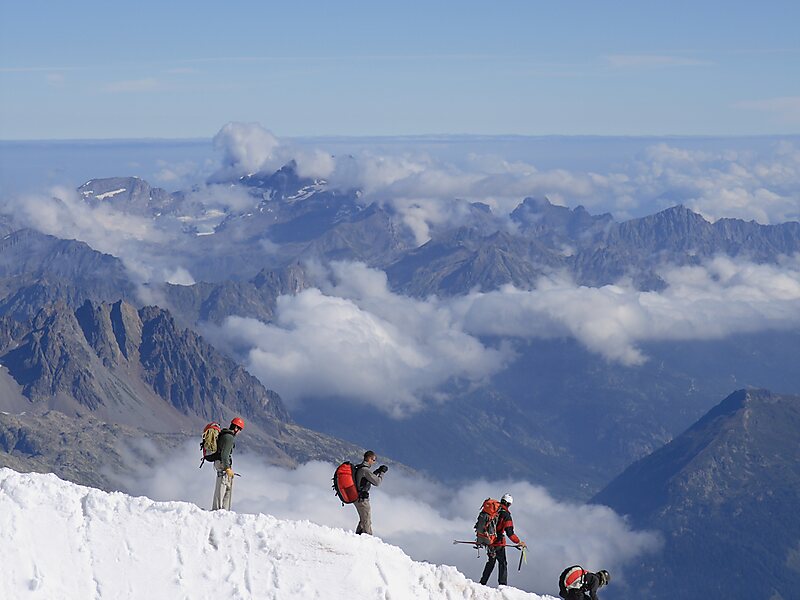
[749, 185]
[762, 187]
[712, 301]
[354, 339]
[179, 276]
[421, 516]
[221, 197]
[313, 164]
[63, 214]
[422, 215]
[249, 148]
[138, 241]
[246, 148]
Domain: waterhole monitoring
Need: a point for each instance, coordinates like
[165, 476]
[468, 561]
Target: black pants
[497, 556]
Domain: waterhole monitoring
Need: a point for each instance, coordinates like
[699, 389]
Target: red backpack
[344, 483]
[572, 578]
[486, 525]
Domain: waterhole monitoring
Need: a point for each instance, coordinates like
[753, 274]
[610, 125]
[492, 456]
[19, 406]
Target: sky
[99, 70]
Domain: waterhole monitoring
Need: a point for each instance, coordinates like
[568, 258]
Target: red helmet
[239, 422]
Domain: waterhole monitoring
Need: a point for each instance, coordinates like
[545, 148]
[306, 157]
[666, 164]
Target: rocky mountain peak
[291, 279]
[129, 194]
[51, 359]
[114, 331]
[680, 213]
[133, 366]
[559, 224]
[675, 220]
[282, 184]
[735, 472]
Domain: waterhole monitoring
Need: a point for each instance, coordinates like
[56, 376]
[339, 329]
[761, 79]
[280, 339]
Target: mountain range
[111, 373]
[302, 219]
[97, 363]
[263, 244]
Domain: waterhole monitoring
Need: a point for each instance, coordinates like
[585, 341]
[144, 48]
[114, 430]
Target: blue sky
[182, 69]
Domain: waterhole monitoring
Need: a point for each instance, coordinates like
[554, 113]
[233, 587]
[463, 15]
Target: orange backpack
[486, 525]
[344, 483]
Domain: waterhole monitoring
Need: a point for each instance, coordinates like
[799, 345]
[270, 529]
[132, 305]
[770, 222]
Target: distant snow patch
[110, 194]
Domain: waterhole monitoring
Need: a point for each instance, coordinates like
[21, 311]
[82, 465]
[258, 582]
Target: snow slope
[64, 541]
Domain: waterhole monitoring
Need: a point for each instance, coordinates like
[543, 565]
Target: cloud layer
[711, 301]
[352, 338]
[357, 340]
[137, 240]
[249, 148]
[430, 192]
[762, 185]
[419, 515]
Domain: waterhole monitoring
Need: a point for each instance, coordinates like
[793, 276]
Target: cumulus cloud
[750, 185]
[62, 213]
[152, 249]
[246, 148]
[421, 516]
[428, 193]
[425, 191]
[712, 301]
[760, 185]
[313, 164]
[137, 240]
[352, 338]
[179, 276]
[249, 148]
[734, 184]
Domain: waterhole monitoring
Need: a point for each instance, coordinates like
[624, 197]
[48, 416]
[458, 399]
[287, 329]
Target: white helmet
[507, 498]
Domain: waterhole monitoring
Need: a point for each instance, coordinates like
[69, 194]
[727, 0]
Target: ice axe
[523, 557]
